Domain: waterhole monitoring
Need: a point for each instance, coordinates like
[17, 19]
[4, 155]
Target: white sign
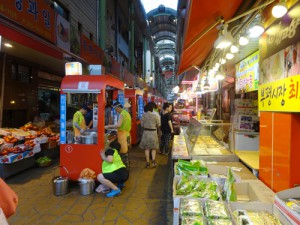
[83, 85]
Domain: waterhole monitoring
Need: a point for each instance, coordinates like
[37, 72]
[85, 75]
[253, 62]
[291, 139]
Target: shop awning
[201, 16]
[89, 84]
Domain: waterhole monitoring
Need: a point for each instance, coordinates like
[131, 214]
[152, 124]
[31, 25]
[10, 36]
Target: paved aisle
[146, 199]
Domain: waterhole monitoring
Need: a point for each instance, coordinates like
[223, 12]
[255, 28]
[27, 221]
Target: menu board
[247, 74]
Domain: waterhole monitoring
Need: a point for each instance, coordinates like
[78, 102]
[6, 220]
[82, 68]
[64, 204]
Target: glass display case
[209, 139]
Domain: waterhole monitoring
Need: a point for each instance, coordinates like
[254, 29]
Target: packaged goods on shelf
[191, 220]
[191, 207]
[195, 187]
[193, 168]
[216, 210]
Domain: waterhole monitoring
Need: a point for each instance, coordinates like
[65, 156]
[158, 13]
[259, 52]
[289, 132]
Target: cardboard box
[11, 158]
[291, 215]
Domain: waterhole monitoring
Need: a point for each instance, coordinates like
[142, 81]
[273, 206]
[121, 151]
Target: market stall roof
[201, 16]
[88, 83]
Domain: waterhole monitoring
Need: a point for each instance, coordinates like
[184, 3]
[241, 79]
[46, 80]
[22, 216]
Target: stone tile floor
[146, 199]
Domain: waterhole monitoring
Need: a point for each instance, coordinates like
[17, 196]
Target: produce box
[280, 203]
[11, 158]
[27, 154]
[219, 174]
[255, 207]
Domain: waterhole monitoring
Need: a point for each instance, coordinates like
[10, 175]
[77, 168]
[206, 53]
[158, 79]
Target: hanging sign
[280, 96]
[73, 68]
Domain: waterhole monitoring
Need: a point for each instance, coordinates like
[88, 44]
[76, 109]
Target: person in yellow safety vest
[79, 124]
[124, 127]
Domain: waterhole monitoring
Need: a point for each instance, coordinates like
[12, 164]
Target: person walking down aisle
[113, 169]
[166, 128]
[79, 124]
[124, 127]
[150, 122]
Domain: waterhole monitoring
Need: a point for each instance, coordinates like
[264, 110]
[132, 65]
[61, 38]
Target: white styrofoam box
[176, 216]
[257, 206]
[246, 141]
[292, 216]
[264, 193]
[283, 218]
[245, 192]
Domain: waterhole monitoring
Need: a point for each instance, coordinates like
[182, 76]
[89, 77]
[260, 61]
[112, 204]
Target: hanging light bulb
[198, 88]
[256, 30]
[229, 56]
[223, 61]
[234, 49]
[206, 85]
[280, 9]
[225, 38]
[243, 40]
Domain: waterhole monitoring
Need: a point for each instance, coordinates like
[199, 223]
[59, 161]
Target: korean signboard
[36, 16]
[90, 51]
[281, 96]
[247, 74]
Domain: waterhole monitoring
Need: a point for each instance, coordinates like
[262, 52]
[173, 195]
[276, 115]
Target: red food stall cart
[135, 132]
[76, 157]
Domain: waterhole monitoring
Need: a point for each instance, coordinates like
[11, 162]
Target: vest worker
[124, 127]
[113, 169]
[79, 124]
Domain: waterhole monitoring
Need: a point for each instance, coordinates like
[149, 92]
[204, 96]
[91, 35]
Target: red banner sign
[90, 51]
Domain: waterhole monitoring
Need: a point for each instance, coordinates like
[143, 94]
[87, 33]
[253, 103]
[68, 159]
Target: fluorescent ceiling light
[279, 10]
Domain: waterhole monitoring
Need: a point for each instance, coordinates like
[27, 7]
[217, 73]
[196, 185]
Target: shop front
[84, 152]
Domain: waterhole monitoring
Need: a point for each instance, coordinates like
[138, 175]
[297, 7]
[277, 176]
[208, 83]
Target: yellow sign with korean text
[280, 96]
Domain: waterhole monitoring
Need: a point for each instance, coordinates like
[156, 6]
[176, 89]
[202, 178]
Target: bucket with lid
[86, 185]
[60, 184]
